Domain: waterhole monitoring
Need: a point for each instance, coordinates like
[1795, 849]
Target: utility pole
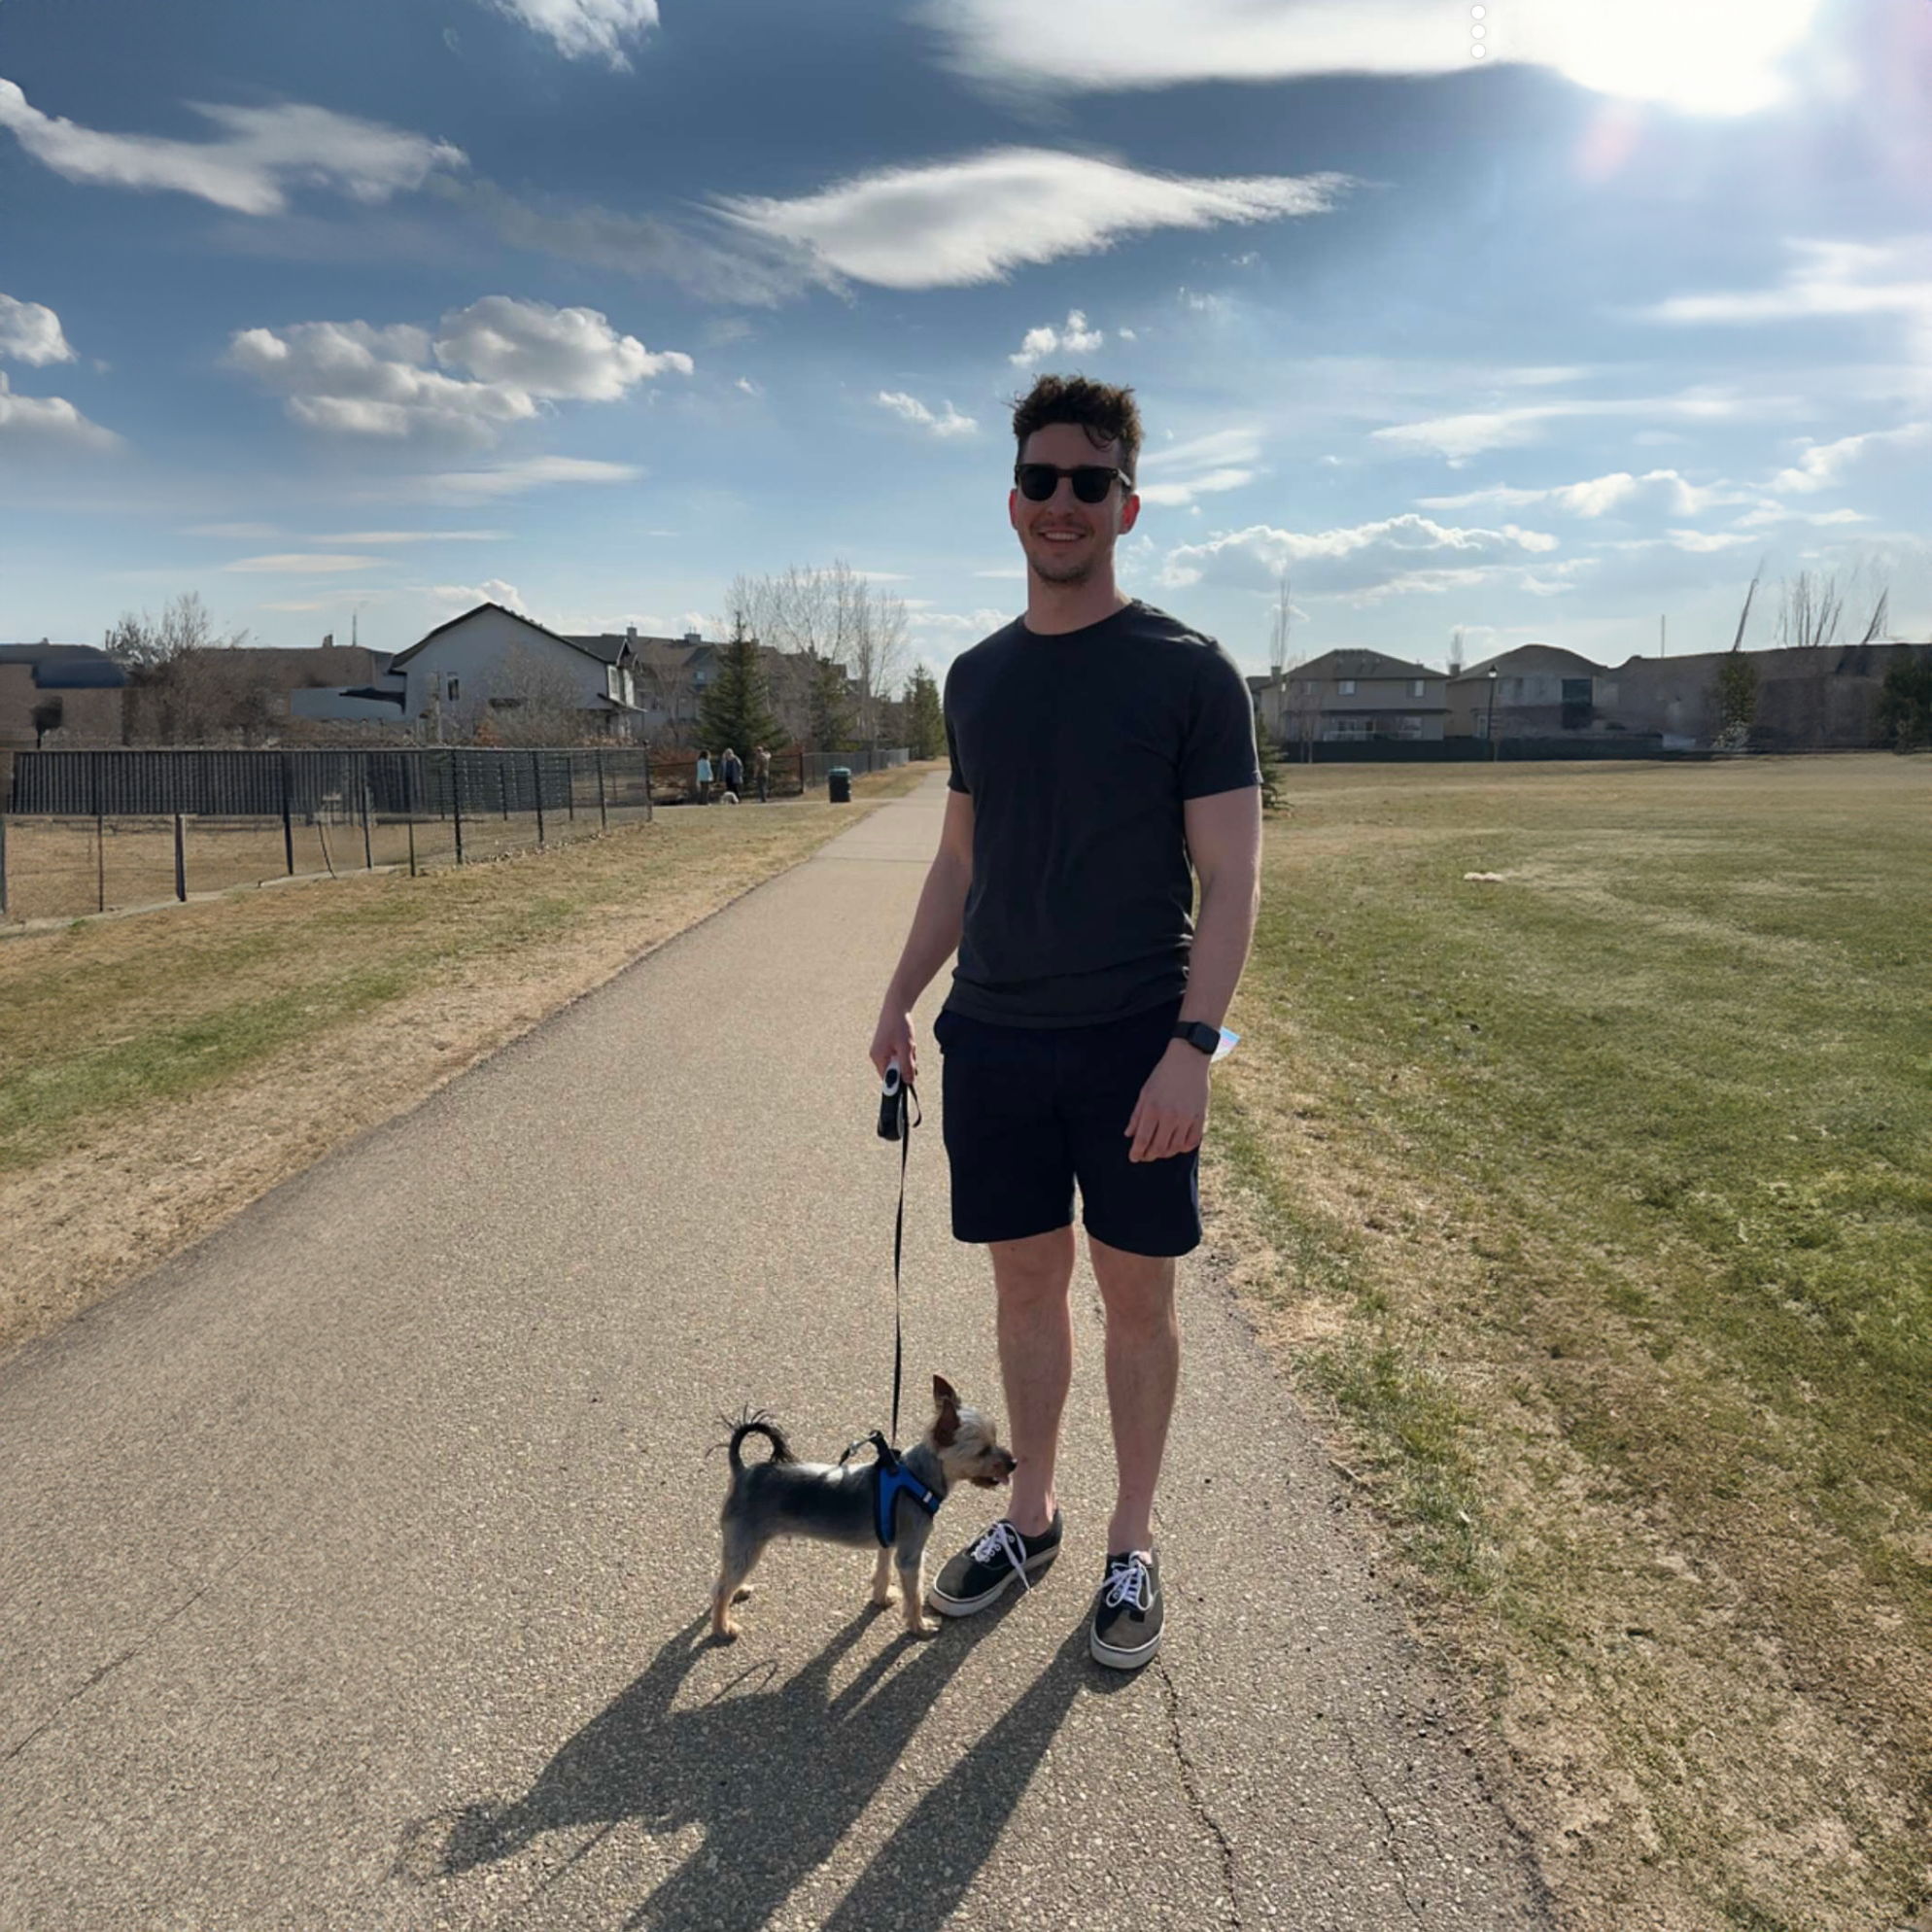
[1663, 647]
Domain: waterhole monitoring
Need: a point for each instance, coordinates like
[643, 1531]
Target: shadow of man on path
[776, 1777]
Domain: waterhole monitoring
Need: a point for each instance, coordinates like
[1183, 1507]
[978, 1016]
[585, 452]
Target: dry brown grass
[159, 1072]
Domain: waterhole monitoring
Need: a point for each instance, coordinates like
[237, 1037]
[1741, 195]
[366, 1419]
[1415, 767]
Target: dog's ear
[947, 1428]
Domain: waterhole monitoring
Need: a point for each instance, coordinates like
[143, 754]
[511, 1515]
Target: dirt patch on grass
[163, 1071]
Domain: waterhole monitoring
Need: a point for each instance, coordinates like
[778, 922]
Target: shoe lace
[1004, 1540]
[1129, 1583]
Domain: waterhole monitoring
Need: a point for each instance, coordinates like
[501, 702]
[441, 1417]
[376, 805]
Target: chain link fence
[100, 831]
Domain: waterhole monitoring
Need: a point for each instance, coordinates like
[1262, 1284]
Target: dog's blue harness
[890, 1480]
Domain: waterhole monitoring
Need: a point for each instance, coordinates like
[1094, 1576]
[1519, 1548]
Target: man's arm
[1225, 843]
[933, 939]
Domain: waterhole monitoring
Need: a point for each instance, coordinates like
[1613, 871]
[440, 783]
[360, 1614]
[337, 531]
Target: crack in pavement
[132, 1651]
[1191, 1791]
[1375, 1797]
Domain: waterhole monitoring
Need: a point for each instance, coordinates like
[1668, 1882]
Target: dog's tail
[760, 1424]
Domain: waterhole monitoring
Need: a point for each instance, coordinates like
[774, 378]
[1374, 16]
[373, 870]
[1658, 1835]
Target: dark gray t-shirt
[1077, 752]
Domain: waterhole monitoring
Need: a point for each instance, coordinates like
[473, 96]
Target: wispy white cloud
[1200, 466]
[1826, 279]
[48, 421]
[537, 473]
[979, 623]
[585, 29]
[361, 380]
[249, 167]
[1663, 492]
[955, 223]
[1460, 437]
[30, 332]
[300, 564]
[368, 537]
[1771, 513]
[911, 410]
[1075, 340]
[1724, 56]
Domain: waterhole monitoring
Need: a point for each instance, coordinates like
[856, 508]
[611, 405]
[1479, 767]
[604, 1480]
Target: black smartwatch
[1198, 1033]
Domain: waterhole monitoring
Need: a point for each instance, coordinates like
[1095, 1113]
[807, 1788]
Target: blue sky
[1539, 319]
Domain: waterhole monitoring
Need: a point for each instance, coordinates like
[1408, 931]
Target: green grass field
[1598, 1201]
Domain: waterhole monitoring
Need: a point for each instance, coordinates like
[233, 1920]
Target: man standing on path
[1099, 748]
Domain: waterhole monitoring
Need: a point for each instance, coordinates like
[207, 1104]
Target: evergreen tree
[1904, 703]
[737, 709]
[831, 705]
[1737, 694]
[1270, 764]
[925, 720]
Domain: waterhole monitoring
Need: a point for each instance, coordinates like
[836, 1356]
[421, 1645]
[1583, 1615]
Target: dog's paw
[743, 1591]
[884, 1601]
[918, 1625]
[724, 1632]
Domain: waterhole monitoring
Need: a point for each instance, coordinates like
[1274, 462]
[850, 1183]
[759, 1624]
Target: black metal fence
[86, 831]
[874, 758]
[1477, 751]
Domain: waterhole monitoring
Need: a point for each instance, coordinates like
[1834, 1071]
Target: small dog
[833, 1503]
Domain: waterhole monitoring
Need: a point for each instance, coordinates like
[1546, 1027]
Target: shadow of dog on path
[773, 1777]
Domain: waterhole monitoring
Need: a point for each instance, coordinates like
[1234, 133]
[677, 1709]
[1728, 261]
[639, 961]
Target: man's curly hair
[1107, 413]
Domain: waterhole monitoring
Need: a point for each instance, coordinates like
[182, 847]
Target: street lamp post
[1489, 730]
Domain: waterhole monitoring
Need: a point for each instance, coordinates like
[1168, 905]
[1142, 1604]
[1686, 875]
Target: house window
[452, 688]
[1346, 687]
[1415, 687]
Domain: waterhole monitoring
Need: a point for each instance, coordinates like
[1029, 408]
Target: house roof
[1504, 660]
[1364, 664]
[542, 630]
[67, 667]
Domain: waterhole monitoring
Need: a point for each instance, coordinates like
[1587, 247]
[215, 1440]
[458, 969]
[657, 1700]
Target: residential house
[1537, 691]
[489, 659]
[1809, 698]
[1358, 697]
[74, 690]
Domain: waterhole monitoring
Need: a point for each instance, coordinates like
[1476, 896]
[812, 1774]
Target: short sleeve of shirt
[1218, 752]
[957, 781]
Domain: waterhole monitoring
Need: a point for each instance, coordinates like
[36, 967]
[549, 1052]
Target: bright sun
[1711, 57]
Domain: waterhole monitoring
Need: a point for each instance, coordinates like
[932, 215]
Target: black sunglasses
[1091, 480]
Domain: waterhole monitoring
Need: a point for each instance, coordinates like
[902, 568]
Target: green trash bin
[839, 781]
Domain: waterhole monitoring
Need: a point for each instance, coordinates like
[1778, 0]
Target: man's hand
[892, 1040]
[1173, 1106]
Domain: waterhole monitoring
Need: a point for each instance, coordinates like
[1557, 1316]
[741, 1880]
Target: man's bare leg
[1031, 1279]
[1143, 1369]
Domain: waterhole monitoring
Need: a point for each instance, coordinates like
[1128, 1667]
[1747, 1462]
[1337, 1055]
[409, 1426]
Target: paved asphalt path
[352, 1566]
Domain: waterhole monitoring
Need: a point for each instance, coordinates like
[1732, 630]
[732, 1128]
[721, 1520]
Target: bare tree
[1809, 610]
[827, 616]
[182, 687]
[534, 701]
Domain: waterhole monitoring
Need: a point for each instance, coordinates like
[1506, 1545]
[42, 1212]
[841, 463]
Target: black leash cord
[897, 1118]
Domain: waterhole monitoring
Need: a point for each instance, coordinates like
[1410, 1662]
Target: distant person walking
[733, 773]
[762, 760]
[704, 780]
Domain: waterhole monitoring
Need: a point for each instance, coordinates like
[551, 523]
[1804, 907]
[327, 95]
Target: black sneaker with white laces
[984, 1572]
[1128, 1612]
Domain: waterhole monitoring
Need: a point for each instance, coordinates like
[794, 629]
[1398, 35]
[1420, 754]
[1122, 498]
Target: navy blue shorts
[1031, 1112]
